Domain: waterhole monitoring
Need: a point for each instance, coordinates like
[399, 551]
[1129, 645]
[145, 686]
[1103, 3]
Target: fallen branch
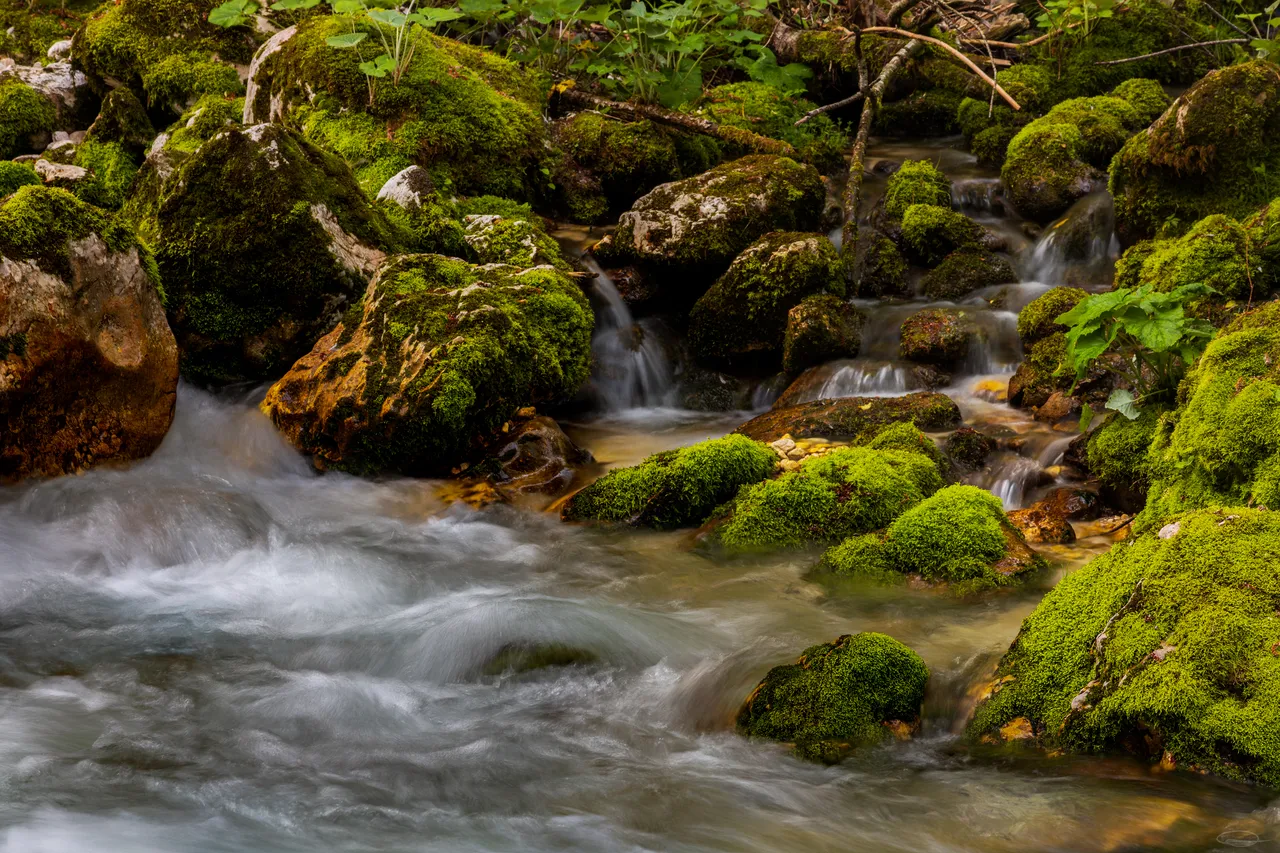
[957, 54]
[1007, 45]
[752, 141]
[1173, 50]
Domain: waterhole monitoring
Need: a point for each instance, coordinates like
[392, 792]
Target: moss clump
[1216, 251]
[253, 277]
[1031, 85]
[1044, 171]
[936, 336]
[988, 128]
[122, 120]
[744, 314]
[847, 492]
[1263, 229]
[1213, 152]
[1041, 372]
[37, 223]
[471, 119]
[1039, 319]
[821, 328]
[627, 159]
[519, 242]
[209, 116]
[838, 696]
[14, 175]
[916, 182]
[24, 113]
[906, 437]
[446, 354]
[879, 269]
[675, 488]
[492, 205]
[165, 49]
[930, 232]
[28, 30]
[762, 109]
[1147, 98]
[928, 113]
[1162, 646]
[1222, 446]
[111, 173]
[966, 270]
[970, 448]
[1117, 451]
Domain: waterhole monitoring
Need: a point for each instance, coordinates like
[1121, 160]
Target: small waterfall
[866, 379]
[1079, 248]
[631, 367]
[1011, 478]
[985, 194]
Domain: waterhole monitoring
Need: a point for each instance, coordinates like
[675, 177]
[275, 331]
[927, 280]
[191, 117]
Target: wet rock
[700, 224]
[1058, 407]
[1043, 522]
[62, 86]
[820, 329]
[965, 271]
[1074, 503]
[88, 366]
[838, 696]
[931, 232]
[523, 657]
[636, 289]
[430, 364]
[854, 419]
[56, 174]
[938, 336]
[878, 268]
[704, 390]
[970, 448]
[623, 160]
[537, 458]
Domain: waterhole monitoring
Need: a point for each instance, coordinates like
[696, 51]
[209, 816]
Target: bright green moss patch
[1164, 644]
[1039, 319]
[37, 223]
[916, 182]
[24, 113]
[674, 488]
[14, 175]
[1216, 251]
[1147, 98]
[111, 172]
[1118, 450]
[838, 696]
[931, 232]
[762, 109]
[519, 242]
[955, 535]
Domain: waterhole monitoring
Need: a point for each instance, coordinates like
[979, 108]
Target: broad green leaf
[390, 17]
[1086, 417]
[1122, 401]
[1155, 334]
[289, 5]
[233, 13]
[346, 40]
[439, 16]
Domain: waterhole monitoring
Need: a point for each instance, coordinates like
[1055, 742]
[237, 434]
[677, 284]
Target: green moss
[1164, 644]
[1031, 85]
[1038, 320]
[956, 535]
[111, 172]
[28, 30]
[519, 242]
[675, 488]
[936, 336]
[1147, 98]
[837, 696]
[448, 352]
[763, 109]
[906, 437]
[1042, 372]
[931, 112]
[122, 120]
[879, 268]
[821, 328]
[626, 158]
[37, 223]
[208, 116]
[964, 271]
[862, 556]
[251, 277]
[1214, 252]
[970, 448]
[930, 232]
[24, 113]
[492, 205]
[916, 182]
[1117, 451]
[745, 311]
[1263, 229]
[847, 492]
[471, 119]
[1213, 153]
[14, 175]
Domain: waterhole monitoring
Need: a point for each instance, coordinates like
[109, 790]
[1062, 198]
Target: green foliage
[37, 223]
[24, 113]
[674, 488]
[773, 112]
[837, 696]
[1150, 333]
[14, 175]
[1039, 319]
[916, 182]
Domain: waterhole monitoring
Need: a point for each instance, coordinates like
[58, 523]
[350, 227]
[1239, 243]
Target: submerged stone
[821, 328]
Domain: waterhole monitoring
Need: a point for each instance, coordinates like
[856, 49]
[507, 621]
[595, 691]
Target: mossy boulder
[1222, 447]
[255, 277]
[518, 241]
[847, 492]
[470, 118]
[939, 336]
[959, 536]
[1117, 451]
[743, 316]
[970, 448]
[1041, 373]
[123, 120]
[930, 233]
[410, 199]
[879, 269]
[1162, 647]
[165, 50]
[700, 224]
[820, 329]
[14, 175]
[1213, 151]
[109, 173]
[27, 118]
[966, 270]
[88, 366]
[765, 110]
[675, 488]
[1039, 318]
[931, 112]
[431, 362]
[854, 692]
[916, 182]
[624, 159]
[853, 419]
[1217, 251]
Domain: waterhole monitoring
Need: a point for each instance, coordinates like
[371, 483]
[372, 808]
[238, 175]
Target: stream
[219, 649]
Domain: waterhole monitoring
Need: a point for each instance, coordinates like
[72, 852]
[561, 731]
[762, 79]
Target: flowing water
[220, 650]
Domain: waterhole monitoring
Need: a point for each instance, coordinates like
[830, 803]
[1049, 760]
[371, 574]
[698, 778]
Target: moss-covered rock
[410, 199]
[879, 269]
[850, 491]
[625, 159]
[1212, 152]
[1263, 229]
[853, 419]
[838, 696]
[700, 224]
[1038, 319]
[1117, 451]
[930, 233]
[1216, 251]
[1222, 447]
[1147, 98]
[88, 366]
[431, 362]
[164, 49]
[970, 448]
[743, 316]
[122, 120]
[966, 270]
[469, 117]
[940, 336]
[1163, 647]
[26, 118]
[931, 112]
[517, 241]
[763, 109]
[1041, 373]
[675, 488]
[820, 329]
[916, 182]
[255, 277]
[111, 170]
[14, 175]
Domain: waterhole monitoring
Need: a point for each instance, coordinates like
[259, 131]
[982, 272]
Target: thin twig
[1174, 50]
[957, 54]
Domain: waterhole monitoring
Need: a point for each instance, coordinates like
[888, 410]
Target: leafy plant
[1149, 336]
[396, 31]
[1070, 22]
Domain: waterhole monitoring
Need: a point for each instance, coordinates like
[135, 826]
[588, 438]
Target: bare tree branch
[957, 54]
[1174, 50]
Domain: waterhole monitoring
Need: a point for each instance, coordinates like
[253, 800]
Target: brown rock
[853, 419]
[1077, 504]
[538, 458]
[1057, 407]
[1043, 523]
